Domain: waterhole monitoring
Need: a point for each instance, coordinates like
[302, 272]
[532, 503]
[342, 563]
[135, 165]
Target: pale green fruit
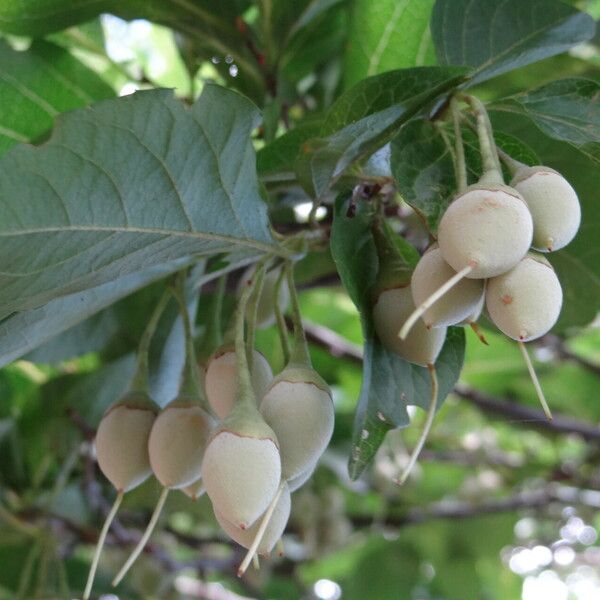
[431, 272]
[390, 312]
[525, 302]
[486, 227]
[221, 380]
[122, 441]
[299, 409]
[242, 467]
[273, 532]
[265, 315]
[194, 490]
[553, 204]
[177, 443]
[473, 317]
[297, 482]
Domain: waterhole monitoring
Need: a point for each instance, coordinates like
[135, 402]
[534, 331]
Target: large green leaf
[367, 116]
[567, 109]
[497, 36]
[38, 84]
[424, 170]
[386, 35]
[389, 383]
[125, 185]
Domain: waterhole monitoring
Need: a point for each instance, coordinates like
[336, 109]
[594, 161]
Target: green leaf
[567, 109]
[124, 185]
[387, 35]
[424, 170]
[389, 382]
[495, 37]
[367, 116]
[27, 330]
[37, 85]
[278, 157]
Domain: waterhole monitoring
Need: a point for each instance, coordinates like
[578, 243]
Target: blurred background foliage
[503, 504]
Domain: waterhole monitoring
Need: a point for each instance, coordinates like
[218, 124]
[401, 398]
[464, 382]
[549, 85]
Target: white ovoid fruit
[265, 315]
[487, 228]
[431, 272]
[194, 490]
[221, 380]
[299, 409]
[553, 205]
[525, 302]
[273, 532]
[177, 443]
[242, 467]
[122, 441]
[422, 345]
[297, 482]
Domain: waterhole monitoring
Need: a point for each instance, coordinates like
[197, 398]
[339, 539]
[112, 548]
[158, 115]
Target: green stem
[140, 380]
[300, 352]
[25, 580]
[461, 165]
[245, 389]
[513, 165]
[492, 171]
[259, 279]
[17, 524]
[281, 326]
[216, 325]
[191, 384]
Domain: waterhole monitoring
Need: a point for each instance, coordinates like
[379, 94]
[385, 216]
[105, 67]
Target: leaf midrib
[150, 231]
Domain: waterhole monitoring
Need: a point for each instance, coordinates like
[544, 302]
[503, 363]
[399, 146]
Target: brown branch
[526, 416]
[520, 415]
[560, 349]
[529, 500]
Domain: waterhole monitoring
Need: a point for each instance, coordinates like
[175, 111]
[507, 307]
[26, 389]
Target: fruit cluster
[487, 256]
[244, 437]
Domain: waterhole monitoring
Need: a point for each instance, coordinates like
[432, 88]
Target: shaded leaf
[495, 37]
[567, 109]
[278, 157]
[389, 383]
[424, 170]
[37, 85]
[24, 331]
[367, 116]
[124, 185]
[387, 35]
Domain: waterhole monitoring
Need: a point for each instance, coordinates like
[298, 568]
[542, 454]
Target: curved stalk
[144, 539]
[141, 377]
[261, 532]
[105, 528]
[460, 165]
[252, 310]
[246, 391]
[300, 352]
[279, 318]
[492, 171]
[191, 384]
[535, 380]
[426, 429]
